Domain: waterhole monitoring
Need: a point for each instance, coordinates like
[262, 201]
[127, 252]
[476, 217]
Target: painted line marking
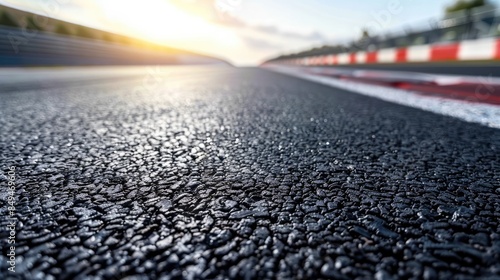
[485, 114]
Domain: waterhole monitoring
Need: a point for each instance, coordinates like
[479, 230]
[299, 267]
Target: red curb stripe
[455, 93]
[371, 57]
[497, 50]
[439, 52]
[352, 58]
[444, 52]
[324, 60]
[461, 91]
[401, 55]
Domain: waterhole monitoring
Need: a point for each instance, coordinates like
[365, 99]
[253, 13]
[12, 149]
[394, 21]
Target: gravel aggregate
[244, 174]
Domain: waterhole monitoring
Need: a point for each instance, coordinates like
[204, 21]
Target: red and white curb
[381, 86]
[480, 49]
[472, 89]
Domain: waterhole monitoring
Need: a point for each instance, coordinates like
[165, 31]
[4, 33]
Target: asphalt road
[486, 69]
[242, 173]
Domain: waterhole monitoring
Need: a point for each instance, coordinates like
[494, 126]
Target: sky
[244, 32]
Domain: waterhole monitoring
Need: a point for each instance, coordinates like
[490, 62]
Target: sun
[156, 20]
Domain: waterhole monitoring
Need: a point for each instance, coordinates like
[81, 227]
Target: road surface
[199, 172]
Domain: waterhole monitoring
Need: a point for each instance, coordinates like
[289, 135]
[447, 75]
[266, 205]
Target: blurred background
[239, 32]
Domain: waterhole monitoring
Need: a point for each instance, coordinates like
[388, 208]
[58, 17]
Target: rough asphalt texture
[244, 173]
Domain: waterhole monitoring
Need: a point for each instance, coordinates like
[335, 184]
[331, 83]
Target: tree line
[28, 22]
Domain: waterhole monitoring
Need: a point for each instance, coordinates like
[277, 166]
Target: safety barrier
[19, 47]
[481, 49]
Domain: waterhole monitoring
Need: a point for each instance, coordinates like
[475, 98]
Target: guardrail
[20, 47]
[482, 49]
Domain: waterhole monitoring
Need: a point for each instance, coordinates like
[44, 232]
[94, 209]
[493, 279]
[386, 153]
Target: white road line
[485, 114]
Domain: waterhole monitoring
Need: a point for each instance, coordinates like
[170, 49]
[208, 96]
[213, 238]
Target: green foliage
[465, 5]
[84, 32]
[6, 19]
[365, 34]
[31, 24]
[62, 29]
[362, 42]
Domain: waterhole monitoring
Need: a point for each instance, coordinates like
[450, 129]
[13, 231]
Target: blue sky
[243, 31]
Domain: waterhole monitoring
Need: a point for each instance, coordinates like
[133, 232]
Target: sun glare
[157, 20]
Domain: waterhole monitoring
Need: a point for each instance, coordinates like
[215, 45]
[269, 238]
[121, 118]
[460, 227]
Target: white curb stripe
[485, 114]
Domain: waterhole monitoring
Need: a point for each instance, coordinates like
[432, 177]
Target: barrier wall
[30, 48]
[482, 49]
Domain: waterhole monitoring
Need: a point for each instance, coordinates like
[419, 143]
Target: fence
[21, 47]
